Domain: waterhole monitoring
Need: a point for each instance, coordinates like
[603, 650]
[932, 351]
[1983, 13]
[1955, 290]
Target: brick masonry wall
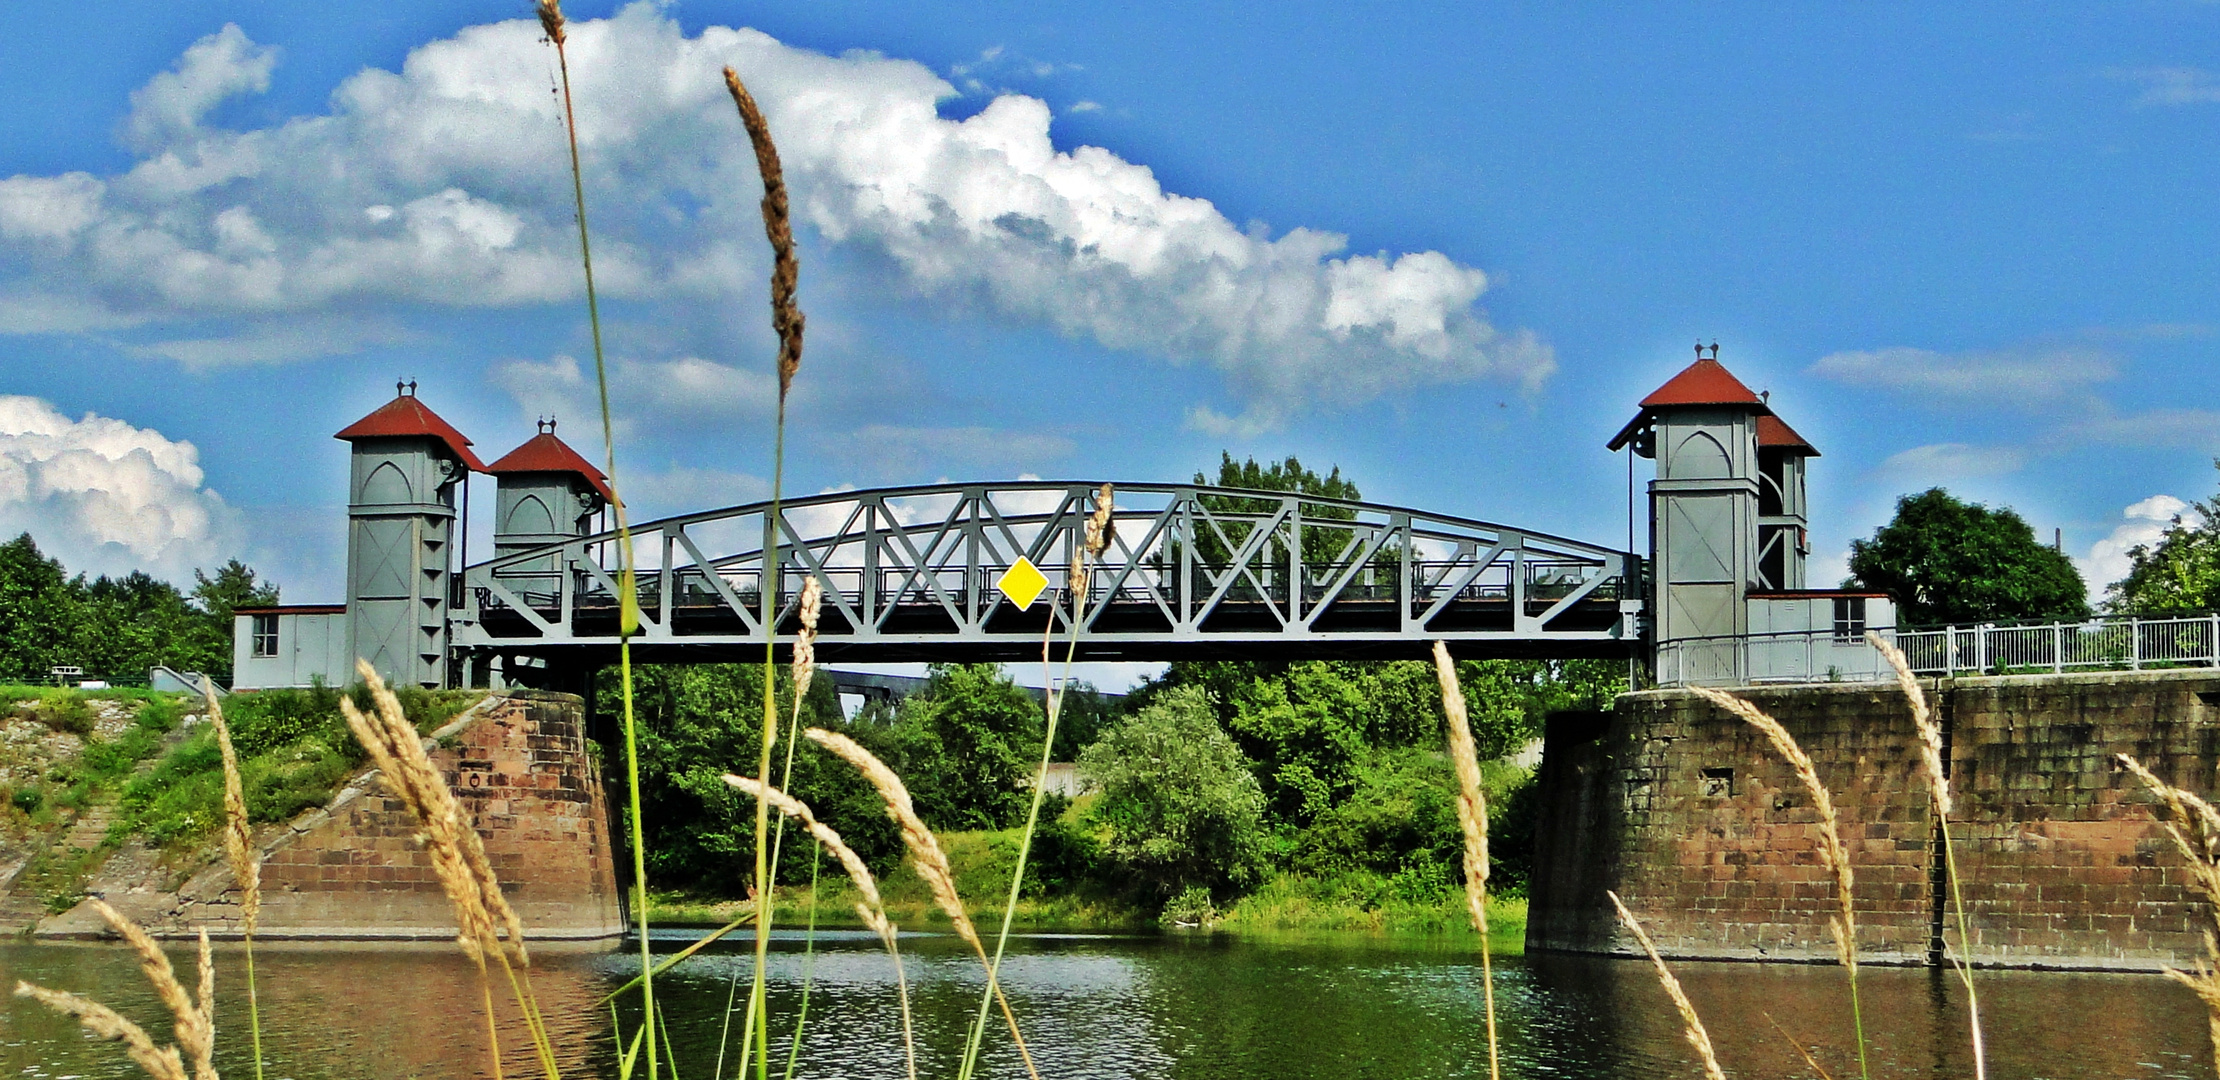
[519, 764]
[1705, 833]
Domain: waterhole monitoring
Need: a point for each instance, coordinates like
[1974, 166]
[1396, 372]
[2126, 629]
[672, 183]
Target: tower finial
[1715, 349]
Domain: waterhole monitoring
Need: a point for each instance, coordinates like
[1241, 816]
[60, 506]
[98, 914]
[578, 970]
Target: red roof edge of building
[1814, 594]
[292, 609]
[1772, 431]
[1704, 382]
[405, 416]
[546, 453]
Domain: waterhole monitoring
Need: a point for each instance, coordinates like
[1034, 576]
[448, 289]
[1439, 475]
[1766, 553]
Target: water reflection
[1208, 1008]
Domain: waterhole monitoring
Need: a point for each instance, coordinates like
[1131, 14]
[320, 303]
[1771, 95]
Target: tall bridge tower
[1729, 528]
[402, 478]
[546, 495]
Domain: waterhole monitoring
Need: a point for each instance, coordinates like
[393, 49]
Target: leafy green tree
[2180, 573]
[1947, 561]
[234, 586]
[1082, 717]
[1320, 545]
[129, 624]
[698, 722]
[1179, 803]
[966, 746]
[38, 608]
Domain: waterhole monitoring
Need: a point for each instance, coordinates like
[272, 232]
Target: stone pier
[1690, 816]
[522, 767]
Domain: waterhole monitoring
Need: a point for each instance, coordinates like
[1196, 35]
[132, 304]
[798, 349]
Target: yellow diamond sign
[1022, 583]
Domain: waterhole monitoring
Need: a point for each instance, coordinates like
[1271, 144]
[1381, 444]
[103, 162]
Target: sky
[1443, 247]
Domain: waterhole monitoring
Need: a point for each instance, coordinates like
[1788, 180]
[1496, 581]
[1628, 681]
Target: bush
[65, 711]
[1179, 804]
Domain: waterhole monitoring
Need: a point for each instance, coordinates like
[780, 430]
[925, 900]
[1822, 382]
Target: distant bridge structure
[911, 574]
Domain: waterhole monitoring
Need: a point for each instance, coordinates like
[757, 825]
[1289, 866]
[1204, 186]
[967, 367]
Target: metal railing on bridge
[1192, 571]
[2112, 643]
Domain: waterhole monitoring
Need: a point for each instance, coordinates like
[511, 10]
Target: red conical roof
[406, 416]
[1702, 383]
[544, 453]
[1772, 432]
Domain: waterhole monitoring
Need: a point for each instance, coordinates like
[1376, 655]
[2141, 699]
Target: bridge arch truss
[1192, 572]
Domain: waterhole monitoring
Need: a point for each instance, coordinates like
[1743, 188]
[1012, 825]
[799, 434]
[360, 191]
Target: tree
[2181, 573]
[1179, 803]
[1319, 545]
[233, 587]
[38, 609]
[966, 745]
[1947, 561]
[698, 722]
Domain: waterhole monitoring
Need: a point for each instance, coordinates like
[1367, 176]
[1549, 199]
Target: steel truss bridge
[1192, 572]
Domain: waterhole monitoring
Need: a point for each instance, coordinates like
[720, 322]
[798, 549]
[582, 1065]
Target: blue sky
[1445, 247]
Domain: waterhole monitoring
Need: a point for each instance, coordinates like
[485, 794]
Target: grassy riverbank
[1284, 904]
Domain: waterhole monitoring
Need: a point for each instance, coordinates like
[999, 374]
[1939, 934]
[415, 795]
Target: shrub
[1180, 806]
[65, 711]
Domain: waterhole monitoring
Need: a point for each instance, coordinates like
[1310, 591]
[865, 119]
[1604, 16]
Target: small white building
[295, 645]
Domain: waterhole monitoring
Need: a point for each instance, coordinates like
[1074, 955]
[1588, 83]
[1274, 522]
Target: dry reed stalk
[2195, 828]
[458, 857]
[1843, 925]
[871, 908]
[161, 1063]
[1832, 853]
[246, 863]
[1472, 816]
[1692, 1026]
[926, 857]
[1938, 786]
[805, 643]
[195, 1024]
[1809, 1060]
[786, 317]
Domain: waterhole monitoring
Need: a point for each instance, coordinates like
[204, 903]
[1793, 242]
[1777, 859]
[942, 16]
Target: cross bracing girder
[1191, 572]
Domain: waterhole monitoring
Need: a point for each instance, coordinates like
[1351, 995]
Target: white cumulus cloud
[446, 184]
[106, 497]
[2145, 522]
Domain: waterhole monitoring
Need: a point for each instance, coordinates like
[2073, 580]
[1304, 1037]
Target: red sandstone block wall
[1703, 830]
[522, 769]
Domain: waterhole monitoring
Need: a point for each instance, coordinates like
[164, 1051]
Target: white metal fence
[2118, 643]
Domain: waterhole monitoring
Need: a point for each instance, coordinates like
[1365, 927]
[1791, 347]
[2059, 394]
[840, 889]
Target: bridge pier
[1701, 828]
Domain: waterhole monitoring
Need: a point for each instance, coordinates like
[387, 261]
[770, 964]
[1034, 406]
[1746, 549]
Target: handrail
[2126, 642]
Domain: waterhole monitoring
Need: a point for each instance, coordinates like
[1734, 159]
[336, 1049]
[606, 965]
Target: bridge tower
[1703, 427]
[1784, 521]
[546, 494]
[406, 465]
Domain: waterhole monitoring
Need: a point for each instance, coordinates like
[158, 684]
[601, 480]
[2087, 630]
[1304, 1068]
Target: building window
[1849, 618]
[265, 635]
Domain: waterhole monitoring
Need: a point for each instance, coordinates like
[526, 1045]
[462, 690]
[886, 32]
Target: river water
[1207, 1007]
